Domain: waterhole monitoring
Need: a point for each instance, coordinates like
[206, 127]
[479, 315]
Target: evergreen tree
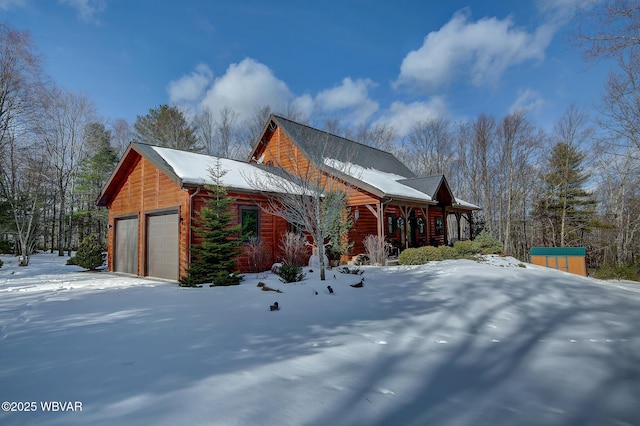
[214, 255]
[89, 254]
[166, 126]
[566, 209]
[339, 222]
[94, 173]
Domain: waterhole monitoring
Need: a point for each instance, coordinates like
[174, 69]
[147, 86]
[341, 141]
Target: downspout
[191, 197]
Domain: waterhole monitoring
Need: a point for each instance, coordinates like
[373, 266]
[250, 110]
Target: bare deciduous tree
[120, 136]
[608, 28]
[620, 104]
[221, 135]
[431, 147]
[62, 131]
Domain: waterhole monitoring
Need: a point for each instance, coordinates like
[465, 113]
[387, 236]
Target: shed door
[126, 246]
[162, 246]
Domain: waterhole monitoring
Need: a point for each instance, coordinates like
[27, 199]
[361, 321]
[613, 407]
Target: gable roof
[371, 169]
[188, 169]
[428, 184]
[319, 145]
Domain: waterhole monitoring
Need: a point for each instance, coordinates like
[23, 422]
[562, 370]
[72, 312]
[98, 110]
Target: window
[391, 224]
[249, 218]
[438, 224]
[421, 226]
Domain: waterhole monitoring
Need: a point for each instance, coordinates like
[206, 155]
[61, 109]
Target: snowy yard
[450, 343]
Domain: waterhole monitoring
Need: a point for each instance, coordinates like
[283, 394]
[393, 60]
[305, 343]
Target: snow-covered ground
[449, 343]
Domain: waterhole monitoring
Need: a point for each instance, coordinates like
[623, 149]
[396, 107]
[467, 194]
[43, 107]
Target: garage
[162, 245]
[126, 245]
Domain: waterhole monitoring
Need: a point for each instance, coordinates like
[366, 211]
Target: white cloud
[561, 11]
[527, 100]
[87, 9]
[250, 84]
[245, 86]
[8, 4]
[304, 105]
[484, 49]
[190, 88]
[351, 96]
[404, 116]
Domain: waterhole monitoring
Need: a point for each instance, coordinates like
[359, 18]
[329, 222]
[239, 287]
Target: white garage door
[163, 245]
[126, 245]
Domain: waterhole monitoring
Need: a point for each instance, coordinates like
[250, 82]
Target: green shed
[567, 259]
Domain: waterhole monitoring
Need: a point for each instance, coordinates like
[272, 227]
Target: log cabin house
[386, 198]
[154, 195]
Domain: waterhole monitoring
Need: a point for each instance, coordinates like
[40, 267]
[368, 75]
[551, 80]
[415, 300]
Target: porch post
[446, 225]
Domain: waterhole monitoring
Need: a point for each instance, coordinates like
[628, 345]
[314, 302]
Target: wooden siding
[436, 240]
[144, 190]
[270, 229]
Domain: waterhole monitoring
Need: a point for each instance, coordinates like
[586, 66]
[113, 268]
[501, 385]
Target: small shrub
[6, 246]
[419, 256]
[487, 244]
[466, 248]
[376, 250]
[347, 270]
[447, 252]
[290, 273]
[412, 256]
[72, 261]
[89, 254]
[295, 249]
[257, 256]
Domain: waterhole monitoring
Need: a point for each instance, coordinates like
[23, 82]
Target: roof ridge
[424, 177]
[332, 134]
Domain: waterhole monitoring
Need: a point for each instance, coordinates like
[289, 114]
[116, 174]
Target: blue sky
[362, 61]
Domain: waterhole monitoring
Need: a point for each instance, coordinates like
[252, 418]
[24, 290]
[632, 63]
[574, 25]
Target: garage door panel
[126, 247]
[162, 245]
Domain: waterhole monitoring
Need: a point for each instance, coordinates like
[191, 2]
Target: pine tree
[94, 173]
[214, 256]
[89, 254]
[566, 208]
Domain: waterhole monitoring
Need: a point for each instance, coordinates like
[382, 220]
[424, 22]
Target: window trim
[244, 210]
[392, 224]
[438, 225]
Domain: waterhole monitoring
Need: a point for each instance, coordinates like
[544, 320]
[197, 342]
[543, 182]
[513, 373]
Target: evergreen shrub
[466, 248]
[89, 254]
[487, 244]
[290, 273]
[447, 252]
[614, 272]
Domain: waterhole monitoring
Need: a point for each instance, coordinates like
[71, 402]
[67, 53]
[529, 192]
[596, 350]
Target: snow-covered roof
[194, 169]
[387, 183]
[466, 204]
